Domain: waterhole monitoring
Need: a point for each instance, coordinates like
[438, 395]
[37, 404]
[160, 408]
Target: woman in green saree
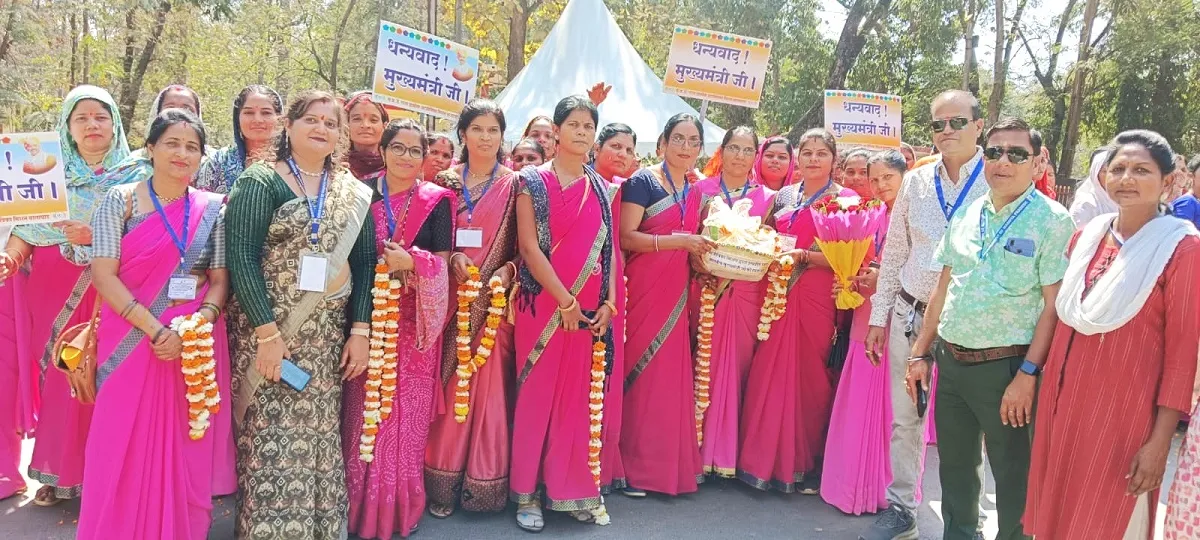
[301, 253]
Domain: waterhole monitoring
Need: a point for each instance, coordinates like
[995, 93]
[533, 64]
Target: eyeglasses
[680, 141]
[734, 149]
[398, 150]
[1016, 155]
[956, 123]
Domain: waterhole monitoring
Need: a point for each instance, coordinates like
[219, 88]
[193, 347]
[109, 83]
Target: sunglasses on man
[1016, 155]
[956, 123]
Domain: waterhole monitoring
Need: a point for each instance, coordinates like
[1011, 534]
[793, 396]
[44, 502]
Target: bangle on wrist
[215, 309]
[270, 338]
[913, 359]
[656, 243]
[157, 335]
[364, 332]
[611, 306]
[569, 307]
[129, 308]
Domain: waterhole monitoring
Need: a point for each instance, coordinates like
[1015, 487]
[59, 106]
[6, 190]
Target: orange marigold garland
[372, 416]
[596, 407]
[199, 371]
[708, 303]
[391, 354]
[468, 291]
[776, 300]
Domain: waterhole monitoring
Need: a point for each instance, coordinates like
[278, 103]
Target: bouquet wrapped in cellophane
[846, 226]
[745, 247]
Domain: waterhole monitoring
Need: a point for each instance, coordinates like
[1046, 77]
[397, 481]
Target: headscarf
[156, 107]
[84, 186]
[789, 175]
[1091, 199]
[368, 164]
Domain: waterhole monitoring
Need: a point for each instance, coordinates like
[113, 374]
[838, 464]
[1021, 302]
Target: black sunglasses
[956, 123]
[1016, 155]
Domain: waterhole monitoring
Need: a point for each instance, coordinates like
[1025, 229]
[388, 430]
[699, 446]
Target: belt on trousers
[979, 356]
[918, 305]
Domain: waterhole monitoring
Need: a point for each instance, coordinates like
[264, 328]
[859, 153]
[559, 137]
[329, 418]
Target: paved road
[723, 509]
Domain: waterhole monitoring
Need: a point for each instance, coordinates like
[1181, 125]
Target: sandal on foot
[529, 518]
[633, 492]
[599, 516]
[45, 497]
[441, 511]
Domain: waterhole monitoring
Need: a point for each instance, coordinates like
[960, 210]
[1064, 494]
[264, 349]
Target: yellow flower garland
[708, 303]
[776, 299]
[468, 291]
[199, 371]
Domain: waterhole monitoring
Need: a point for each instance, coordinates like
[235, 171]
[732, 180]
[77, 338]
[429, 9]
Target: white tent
[585, 47]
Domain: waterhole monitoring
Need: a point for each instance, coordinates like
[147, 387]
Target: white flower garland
[199, 371]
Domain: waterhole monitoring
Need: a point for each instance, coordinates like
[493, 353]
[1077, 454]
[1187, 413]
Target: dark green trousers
[967, 417]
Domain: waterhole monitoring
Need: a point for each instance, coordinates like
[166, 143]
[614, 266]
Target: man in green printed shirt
[993, 316]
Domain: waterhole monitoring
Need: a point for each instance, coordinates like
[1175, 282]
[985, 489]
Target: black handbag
[842, 319]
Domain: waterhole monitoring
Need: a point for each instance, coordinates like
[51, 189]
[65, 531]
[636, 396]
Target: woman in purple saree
[158, 254]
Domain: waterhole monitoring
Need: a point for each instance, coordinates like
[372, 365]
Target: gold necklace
[169, 200]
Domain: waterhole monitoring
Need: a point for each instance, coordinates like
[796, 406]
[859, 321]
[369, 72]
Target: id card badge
[313, 272]
[468, 237]
[182, 287]
[787, 242]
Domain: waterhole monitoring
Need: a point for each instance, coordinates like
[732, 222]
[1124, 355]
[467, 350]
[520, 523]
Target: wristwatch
[1030, 368]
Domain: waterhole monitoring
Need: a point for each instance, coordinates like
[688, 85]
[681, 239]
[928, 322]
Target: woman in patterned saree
[150, 238]
[255, 112]
[93, 143]
[468, 462]
[301, 219]
[564, 337]
[789, 392]
[659, 218]
[735, 318]
[414, 228]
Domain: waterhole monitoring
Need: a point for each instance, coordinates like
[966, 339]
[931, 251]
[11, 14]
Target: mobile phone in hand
[293, 376]
[922, 400]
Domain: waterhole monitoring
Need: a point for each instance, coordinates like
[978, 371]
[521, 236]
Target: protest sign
[716, 66]
[33, 187]
[423, 72]
[863, 118]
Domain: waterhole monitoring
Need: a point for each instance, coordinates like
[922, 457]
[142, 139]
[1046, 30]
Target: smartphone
[293, 376]
[922, 400]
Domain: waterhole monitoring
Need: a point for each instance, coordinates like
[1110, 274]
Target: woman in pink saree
[775, 166]
[660, 214]
[93, 144]
[414, 236]
[785, 411]
[468, 463]
[735, 320]
[563, 317]
[18, 378]
[147, 477]
[857, 467]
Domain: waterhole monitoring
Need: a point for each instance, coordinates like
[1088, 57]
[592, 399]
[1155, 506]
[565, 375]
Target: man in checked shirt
[931, 194]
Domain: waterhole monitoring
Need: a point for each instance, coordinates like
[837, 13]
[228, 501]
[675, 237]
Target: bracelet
[270, 338]
[19, 257]
[656, 243]
[364, 332]
[913, 359]
[128, 308]
[514, 267]
[574, 302]
[158, 334]
[611, 306]
[215, 308]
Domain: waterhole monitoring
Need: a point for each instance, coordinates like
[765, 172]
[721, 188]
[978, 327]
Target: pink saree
[146, 479]
[18, 382]
[658, 430]
[858, 468]
[551, 425]
[65, 299]
[612, 467]
[388, 495]
[468, 463]
[735, 327]
[789, 391]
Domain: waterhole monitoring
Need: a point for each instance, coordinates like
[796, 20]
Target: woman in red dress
[1121, 368]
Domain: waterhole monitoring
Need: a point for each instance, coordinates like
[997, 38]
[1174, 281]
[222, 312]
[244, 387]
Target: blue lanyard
[962, 195]
[681, 202]
[801, 204]
[986, 244]
[728, 196]
[315, 213]
[179, 241]
[878, 244]
[391, 214]
[1116, 237]
[467, 193]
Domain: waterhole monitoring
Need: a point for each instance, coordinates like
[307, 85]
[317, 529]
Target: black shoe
[895, 523]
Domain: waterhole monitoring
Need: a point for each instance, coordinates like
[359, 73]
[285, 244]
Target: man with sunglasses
[930, 195]
[989, 326]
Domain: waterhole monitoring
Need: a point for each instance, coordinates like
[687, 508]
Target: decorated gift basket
[745, 247]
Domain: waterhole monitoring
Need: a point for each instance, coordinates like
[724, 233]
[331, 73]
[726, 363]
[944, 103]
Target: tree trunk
[283, 48]
[967, 16]
[1003, 59]
[337, 45]
[131, 86]
[74, 25]
[518, 30]
[849, 46]
[1071, 135]
[7, 39]
[1053, 136]
[86, 67]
